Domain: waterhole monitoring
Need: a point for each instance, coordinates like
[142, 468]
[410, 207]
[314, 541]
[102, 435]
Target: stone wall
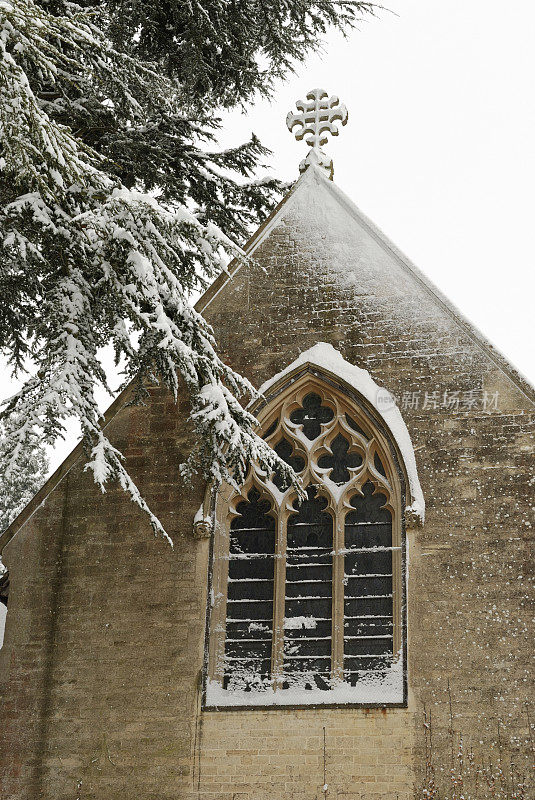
[102, 665]
[104, 641]
[331, 278]
[280, 753]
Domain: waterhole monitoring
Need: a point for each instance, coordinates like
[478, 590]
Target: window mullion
[338, 600]
[279, 599]
[397, 584]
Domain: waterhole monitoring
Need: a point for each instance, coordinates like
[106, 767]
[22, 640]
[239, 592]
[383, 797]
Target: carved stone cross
[316, 119]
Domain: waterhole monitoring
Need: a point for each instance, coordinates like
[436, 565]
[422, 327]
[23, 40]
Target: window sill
[374, 693]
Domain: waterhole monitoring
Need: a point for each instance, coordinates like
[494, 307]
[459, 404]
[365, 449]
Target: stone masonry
[101, 672]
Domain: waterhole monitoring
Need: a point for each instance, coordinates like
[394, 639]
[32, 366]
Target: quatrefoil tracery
[312, 416]
[321, 436]
[339, 461]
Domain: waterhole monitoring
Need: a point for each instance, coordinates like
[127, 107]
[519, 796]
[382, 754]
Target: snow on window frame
[319, 371]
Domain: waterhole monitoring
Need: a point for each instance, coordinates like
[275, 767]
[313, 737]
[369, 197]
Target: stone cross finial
[317, 119]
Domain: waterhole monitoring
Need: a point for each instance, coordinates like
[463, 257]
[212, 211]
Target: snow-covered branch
[112, 209]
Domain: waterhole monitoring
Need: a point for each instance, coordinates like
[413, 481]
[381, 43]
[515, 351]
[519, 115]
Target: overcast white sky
[439, 149]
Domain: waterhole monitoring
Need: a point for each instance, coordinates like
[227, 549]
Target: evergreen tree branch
[112, 210]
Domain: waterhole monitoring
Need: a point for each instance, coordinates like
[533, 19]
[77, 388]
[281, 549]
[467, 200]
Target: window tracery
[307, 599]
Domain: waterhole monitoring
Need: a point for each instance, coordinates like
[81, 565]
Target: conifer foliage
[113, 199]
[23, 482]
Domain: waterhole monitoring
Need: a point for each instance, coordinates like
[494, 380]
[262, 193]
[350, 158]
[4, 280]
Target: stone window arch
[307, 601]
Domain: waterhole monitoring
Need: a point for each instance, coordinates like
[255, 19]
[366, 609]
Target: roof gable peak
[315, 181]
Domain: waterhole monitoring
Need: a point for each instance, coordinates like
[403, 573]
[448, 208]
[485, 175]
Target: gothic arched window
[307, 599]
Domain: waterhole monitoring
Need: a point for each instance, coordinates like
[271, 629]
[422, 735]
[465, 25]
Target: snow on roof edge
[315, 174]
[326, 357]
[494, 353]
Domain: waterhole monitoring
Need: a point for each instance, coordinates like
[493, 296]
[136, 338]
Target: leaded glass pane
[308, 608]
[250, 595]
[341, 461]
[368, 608]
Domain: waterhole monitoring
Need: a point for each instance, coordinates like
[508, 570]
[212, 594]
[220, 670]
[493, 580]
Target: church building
[336, 648]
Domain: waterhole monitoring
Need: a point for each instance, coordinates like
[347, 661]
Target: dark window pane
[369, 506]
[367, 606]
[321, 630]
[340, 460]
[368, 609]
[251, 610]
[368, 646]
[306, 647]
[250, 568]
[241, 648]
[249, 630]
[312, 415]
[242, 589]
[303, 589]
[368, 626]
[365, 586]
[356, 667]
[379, 465]
[271, 430]
[285, 450]
[308, 610]
[243, 629]
[356, 427]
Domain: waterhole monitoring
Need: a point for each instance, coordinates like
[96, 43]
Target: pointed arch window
[307, 599]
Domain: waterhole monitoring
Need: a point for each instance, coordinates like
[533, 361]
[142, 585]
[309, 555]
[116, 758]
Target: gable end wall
[101, 670]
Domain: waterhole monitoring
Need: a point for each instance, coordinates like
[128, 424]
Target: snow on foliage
[112, 207]
[19, 482]
[86, 259]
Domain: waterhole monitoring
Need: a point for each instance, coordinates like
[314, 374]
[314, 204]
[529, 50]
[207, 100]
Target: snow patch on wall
[327, 358]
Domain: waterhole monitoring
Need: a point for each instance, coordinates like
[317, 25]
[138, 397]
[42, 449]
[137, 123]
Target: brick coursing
[101, 672]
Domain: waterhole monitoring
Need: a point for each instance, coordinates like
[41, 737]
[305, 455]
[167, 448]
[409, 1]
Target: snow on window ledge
[372, 689]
